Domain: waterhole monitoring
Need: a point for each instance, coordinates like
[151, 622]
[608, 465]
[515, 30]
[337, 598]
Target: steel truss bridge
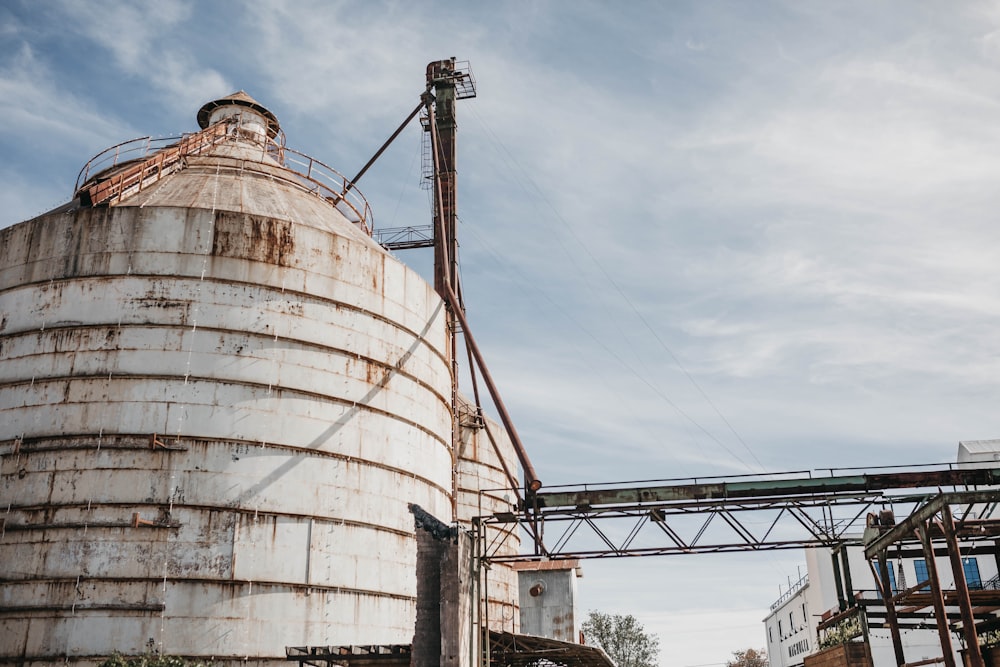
[895, 511]
[716, 515]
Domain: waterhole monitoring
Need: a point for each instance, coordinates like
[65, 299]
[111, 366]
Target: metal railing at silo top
[126, 168]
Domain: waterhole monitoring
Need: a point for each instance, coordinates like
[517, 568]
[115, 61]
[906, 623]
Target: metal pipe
[503, 464]
[532, 483]
[378, 153]
[475, 383]
[530, 477]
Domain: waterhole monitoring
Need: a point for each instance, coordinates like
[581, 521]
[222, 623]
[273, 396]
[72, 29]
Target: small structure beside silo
[548, 597]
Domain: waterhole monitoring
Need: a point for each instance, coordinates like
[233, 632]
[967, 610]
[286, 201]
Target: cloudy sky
[697, 237]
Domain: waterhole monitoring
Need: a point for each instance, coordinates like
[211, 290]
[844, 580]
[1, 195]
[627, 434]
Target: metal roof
[240, 99]
[510, 650]
[380, 655]
[979, 446]
[506, 650]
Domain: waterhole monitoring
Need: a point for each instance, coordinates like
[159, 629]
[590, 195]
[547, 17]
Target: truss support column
[865, 634]
[835, 557]
[937, 597]
[885, 584]
[848, 584]
[973, 653]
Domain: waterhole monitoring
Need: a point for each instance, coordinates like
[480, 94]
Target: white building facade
[833, 581]
[790, 626]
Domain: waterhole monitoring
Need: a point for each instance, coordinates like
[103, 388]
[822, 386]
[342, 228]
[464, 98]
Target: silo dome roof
[240, 99]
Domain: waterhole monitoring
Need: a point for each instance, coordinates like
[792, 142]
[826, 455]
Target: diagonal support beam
[906, 528]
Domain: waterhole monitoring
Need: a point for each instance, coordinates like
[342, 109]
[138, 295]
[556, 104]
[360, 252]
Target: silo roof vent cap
[239, 99]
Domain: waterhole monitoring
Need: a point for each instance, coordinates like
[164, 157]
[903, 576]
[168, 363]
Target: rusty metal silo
[217, 397]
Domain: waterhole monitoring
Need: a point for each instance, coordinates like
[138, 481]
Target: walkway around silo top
[134, 177]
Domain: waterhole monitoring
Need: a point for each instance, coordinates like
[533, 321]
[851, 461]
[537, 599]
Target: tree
[623, 638]
[748, 658]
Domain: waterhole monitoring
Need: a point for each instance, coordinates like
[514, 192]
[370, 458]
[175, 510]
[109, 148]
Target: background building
[836, 579]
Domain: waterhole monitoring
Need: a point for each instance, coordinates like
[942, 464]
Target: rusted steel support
[905, 528]
[508, 473]
[532, 483]
[348, 185]
[474, 381]
[974, 655]
[937, 597]
[885, 588]
[921, 663]
[444, 264]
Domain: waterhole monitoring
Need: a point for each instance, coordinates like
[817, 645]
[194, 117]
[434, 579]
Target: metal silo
[217, 397]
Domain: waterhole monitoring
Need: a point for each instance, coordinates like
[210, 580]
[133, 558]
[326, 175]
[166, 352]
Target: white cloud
[24, 199]
[144, 40]
[343, 62]
[33, 104]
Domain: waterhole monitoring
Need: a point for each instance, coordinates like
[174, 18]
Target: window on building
[781, 633]
[971, 568]
[805, 616]
[791, 623]
[920, 569]
[969, 565]
[892, 579]
[770, 637]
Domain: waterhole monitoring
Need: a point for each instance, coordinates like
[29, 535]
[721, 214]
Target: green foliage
[989, 639]
[152, 660]
[623, 638]
[749, 658]
[843, 632]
